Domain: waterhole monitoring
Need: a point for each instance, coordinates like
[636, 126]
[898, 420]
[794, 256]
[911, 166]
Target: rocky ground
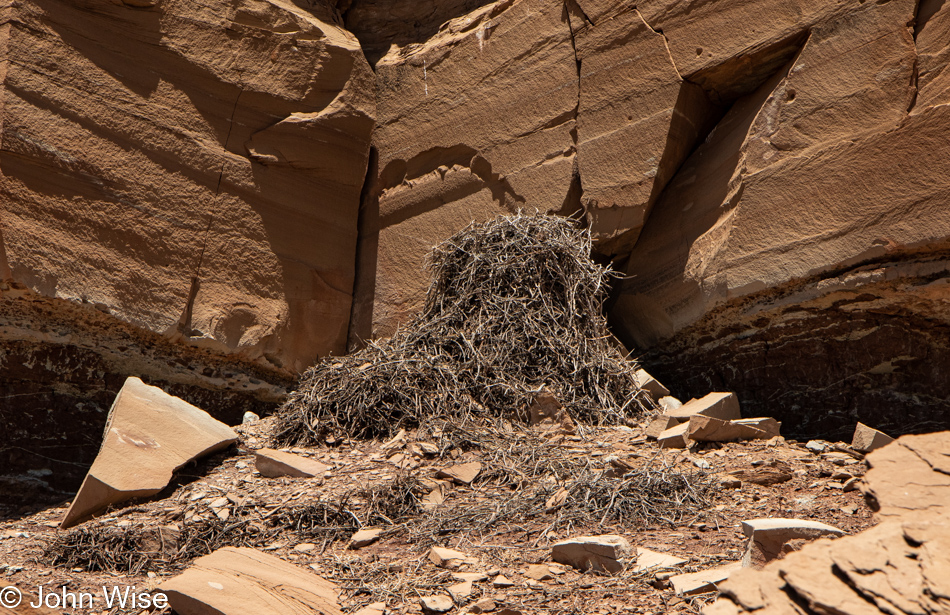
[506, 519]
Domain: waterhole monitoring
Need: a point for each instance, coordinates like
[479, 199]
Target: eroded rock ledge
[865, 343]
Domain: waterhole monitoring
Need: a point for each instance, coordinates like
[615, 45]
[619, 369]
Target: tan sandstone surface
[194, 170]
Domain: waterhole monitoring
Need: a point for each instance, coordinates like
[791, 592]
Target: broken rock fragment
[710, 429]
[271, 463]
[463, 473]
[674, 437]
[608, 552]
[769, 538]
[149, 435]
[647, 559]
[241, 581]
[365, 537]
[658, 425]
[703, 581]
[651, 385]
[436, 604]
[449, 558]
[724, 406]
[867, 439]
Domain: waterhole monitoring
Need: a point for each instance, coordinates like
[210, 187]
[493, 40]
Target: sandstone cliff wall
[248, 186]
[180, 187]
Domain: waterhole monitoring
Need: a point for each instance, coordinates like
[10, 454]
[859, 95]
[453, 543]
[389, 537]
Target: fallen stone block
[242, 581]
[271, 463]
[651, 385]
[538, 572]
[449, 558]
[710, 429]
[658, 425]
[693, 583]
[149, 435]
[866, 439]
[463, 473]
[767, 537]
[674, 437]
[485, 605]
[647, 559]
[608, 552]
[724, 406]
[460, 592]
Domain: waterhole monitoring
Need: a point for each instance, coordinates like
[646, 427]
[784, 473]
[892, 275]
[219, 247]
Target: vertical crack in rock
[666, 42]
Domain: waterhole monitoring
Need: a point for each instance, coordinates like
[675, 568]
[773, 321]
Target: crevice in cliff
[573, 200]
[367, 254]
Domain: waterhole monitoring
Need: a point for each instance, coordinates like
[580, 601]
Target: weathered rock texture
[759, 179]
[799, 256]
[239, 581]
[474, 122]
[195, 170]
[899, 566]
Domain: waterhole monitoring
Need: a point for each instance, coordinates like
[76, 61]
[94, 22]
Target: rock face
[193, 171]
[149, 435]
[180, 191]
[476, 121]
[816, 204]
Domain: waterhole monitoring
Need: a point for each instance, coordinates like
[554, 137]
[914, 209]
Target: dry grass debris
[515, 305]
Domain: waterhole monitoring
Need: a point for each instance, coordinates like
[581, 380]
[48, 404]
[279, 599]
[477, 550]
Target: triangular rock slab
[149, 434]
[242, 581]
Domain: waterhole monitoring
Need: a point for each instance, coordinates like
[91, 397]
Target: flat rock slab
[377, 608]
[241, 581]
[149, 435]
[769, 537]
[463, 473]
[910, 476]
[724, 406]
[272, 463]
[866, 439]
[608, 552]
[647, 559]
[436, 604]
[703, 581]
[364, 538]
